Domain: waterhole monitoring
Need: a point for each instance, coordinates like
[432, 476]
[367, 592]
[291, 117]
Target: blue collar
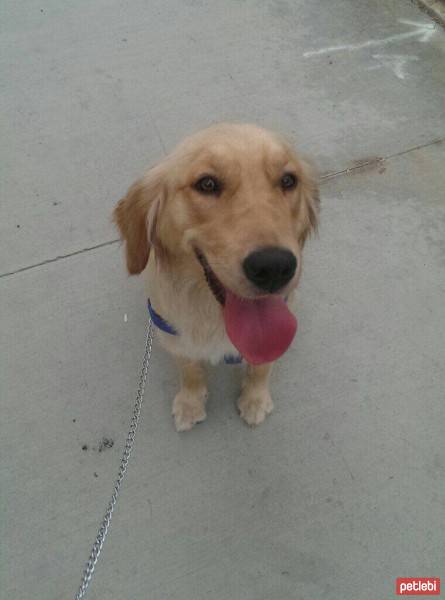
[160, 323]
[163, 325]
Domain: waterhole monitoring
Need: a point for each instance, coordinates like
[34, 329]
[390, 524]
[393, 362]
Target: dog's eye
[208, 185]
[288, 181]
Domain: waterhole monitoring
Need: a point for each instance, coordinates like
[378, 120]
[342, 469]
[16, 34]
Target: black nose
[270, 268]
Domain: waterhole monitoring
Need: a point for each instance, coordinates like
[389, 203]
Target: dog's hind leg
[189, 403]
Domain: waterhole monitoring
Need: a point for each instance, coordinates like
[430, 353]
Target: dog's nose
[270, 268]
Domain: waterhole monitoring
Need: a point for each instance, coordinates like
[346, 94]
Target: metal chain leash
[103, 529]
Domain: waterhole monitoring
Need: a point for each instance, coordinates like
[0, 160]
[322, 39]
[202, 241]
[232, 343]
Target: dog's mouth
[213, 282]
[261, 329]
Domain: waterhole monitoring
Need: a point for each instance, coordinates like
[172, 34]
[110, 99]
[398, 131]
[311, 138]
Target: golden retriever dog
[218, 227]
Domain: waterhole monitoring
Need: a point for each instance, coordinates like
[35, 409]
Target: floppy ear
[136, 214]
[309, 204]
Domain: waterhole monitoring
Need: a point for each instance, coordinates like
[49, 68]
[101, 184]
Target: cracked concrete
[361, 164]
[341, 490]
[57, 258]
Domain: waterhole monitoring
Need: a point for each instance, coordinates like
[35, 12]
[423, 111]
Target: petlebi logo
[418, 586]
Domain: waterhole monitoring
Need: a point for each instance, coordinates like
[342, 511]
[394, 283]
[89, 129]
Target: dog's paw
[254, 405]
[188, 409]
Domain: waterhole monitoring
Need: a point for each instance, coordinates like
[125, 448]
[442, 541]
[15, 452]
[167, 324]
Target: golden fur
[163, 212]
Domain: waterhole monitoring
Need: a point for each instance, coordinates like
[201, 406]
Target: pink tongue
[261, 330]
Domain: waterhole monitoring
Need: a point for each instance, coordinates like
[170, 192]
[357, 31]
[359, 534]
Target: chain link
[103, 529]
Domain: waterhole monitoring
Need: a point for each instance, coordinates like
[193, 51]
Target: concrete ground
[341, 491]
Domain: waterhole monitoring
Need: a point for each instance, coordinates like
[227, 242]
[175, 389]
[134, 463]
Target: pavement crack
[378, 160]
[359, 165]
[57, 258]
[419, 147]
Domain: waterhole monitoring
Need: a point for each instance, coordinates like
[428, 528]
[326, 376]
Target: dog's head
[236, 199]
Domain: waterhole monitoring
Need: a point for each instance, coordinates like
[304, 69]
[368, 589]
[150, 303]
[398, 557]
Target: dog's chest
[211, 348]
[197, 319]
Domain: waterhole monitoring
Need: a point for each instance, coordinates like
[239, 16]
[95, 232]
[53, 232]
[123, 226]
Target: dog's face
[234, 198]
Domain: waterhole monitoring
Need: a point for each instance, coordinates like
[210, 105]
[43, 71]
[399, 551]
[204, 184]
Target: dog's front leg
[255, 401]
[189, 403]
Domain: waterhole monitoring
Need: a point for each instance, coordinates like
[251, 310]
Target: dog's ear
[136, 215]
[309, 203]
